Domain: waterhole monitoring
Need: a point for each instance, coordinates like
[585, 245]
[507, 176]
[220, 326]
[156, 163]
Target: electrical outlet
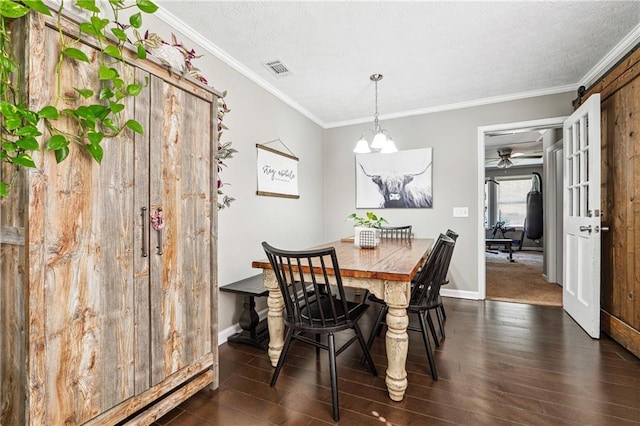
[461, 212]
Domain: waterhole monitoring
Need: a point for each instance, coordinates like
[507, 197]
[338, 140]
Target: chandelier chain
[381, 139]
[375, 116]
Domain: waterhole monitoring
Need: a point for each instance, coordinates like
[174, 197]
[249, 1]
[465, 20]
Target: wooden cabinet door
[81, 235]
[99, 309]
[180, 259]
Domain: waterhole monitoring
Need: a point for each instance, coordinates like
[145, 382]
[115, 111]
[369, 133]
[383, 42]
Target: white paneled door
[581, 216]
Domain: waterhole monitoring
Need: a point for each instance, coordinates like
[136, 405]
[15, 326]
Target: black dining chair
[438, 306]
[432, 274]
[425, 295]
[454, 236]
[402, 232]
[315, 303]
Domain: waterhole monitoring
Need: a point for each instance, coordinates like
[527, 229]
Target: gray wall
[327, 174]
[454, 138]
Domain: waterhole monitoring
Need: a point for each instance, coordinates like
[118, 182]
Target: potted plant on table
[366, 234]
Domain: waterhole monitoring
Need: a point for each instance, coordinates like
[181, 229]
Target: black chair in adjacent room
[315, 304]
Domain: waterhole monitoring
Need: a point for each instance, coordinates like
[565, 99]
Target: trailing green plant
[96, 116]
[370, 220]
[224, 153]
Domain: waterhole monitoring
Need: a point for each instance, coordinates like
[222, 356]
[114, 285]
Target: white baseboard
[223, 335]
[460, 294]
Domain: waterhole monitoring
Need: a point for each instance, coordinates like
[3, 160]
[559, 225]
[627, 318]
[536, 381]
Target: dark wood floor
[501, 363]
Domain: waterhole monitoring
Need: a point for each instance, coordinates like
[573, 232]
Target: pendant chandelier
[382, 141]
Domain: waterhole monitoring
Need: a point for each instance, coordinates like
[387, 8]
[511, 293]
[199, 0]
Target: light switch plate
[461, 212]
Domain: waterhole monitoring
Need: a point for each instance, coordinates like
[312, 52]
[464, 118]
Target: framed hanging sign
[277, 172]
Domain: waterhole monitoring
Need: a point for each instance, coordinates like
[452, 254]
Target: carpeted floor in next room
[520, 281]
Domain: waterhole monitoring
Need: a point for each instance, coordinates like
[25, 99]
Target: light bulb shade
[389, 147]
[504, 163]
[379, 140]
[362, 147]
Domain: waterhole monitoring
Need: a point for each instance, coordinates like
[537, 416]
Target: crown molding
[461, 105]
[611, 58]
[621, 49]
[177, 24]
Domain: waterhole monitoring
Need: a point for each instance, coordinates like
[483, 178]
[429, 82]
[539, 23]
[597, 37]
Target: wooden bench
[504, 242]
[254, 332]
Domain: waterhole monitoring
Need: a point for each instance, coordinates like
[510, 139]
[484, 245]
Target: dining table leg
[397, 345]
[275, 318]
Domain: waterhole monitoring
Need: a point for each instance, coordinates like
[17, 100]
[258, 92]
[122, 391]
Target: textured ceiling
[433, 55]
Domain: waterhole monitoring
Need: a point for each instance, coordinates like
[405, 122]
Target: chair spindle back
[398, 232]
[311, 286]
[434, 272]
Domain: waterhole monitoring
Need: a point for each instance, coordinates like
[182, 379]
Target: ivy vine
[176, 55]
[225, 152]
[100, 114]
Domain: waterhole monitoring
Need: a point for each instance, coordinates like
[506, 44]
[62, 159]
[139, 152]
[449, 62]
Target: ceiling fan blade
[527, 156]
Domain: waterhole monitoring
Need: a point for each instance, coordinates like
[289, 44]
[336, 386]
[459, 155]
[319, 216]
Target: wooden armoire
[620, 272]
[103, 318]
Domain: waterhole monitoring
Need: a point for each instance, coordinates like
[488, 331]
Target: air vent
[277, 68]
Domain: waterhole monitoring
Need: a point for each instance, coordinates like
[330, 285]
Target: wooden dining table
[385, 271]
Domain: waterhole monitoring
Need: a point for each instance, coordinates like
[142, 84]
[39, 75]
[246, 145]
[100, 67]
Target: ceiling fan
[507, 158]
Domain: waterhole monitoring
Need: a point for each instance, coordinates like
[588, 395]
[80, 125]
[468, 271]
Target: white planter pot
[365, 237]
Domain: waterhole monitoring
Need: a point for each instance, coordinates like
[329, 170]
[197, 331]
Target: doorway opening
[511, 153]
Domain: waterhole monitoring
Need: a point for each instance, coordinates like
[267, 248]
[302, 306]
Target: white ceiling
[434, 55]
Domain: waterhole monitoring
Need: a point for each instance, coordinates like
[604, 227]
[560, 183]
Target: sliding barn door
[180, 258]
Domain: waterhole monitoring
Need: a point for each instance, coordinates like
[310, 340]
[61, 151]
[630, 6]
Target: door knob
[157, 221]
[586, 229]
[604, 228]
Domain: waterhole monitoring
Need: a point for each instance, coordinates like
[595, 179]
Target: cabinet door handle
[160, 242]
[145, 232]
[157, 221]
